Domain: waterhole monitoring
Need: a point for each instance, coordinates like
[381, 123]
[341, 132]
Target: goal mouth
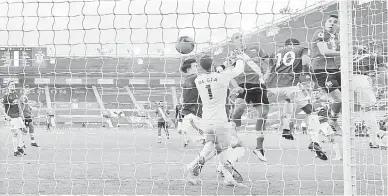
[106, 89]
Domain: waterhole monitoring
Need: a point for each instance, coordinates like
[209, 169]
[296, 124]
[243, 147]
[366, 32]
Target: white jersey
[212, 88]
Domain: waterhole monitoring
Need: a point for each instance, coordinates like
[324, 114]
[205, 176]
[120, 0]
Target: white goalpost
[346, 35]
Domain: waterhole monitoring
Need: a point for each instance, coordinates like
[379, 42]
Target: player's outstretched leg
[262, 111]
[228, 159]
[335, 110]
[159, 135]
[166, 130]
[195, 167]
[371, 122]
[17, 142]
[31, 130]
[314, 132]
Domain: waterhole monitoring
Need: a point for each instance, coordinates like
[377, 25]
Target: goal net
[101, 78]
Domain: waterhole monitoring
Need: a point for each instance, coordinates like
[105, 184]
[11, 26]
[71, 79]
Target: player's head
[237, 41]
[220, 68]
[189, 66]
[26, 90]
[206, 62]
[161, 103]
[331, 23]
[292, 42]
[11, 86]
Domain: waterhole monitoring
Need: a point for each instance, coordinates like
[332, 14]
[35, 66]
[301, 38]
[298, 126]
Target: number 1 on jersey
[209, 91]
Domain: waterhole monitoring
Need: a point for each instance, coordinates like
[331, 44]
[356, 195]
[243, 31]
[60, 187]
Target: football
[185, 45]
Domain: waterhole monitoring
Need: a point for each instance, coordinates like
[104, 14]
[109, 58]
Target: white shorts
[16, 123]
[192, 126]
[196, 128]
[363, 90]
[319, 128]
[294, 93]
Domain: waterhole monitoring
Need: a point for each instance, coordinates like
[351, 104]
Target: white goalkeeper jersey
[212, 88]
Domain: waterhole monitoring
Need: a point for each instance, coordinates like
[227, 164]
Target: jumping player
[162, 112]
[325, 52]
[14, 115]
[283, 78]
[27, 112]
[219, 134]
[251, 90]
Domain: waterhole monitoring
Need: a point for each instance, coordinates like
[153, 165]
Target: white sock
[15, 143]
[210, 156]
[20, 140]
[207, 149]
[336, 150]
[313, 125]
[191, 165]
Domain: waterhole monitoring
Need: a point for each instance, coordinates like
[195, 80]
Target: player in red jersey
[284, 82]
[191, 103]
[27, 112]
[251, 90]
[14, 115]
[325, 52]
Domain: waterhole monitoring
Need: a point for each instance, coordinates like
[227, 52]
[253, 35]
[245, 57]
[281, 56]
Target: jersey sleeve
[319, 36]
[236, 71]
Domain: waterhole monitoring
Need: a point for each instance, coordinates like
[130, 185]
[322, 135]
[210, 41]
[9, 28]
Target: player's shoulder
[301, 49]
[252, 51]
[321, 34]
[191, 77]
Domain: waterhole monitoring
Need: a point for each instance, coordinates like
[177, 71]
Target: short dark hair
[187, 64]
[292, 41]
[11, 81]
[206, 62]
[333, 16]
[223, 66]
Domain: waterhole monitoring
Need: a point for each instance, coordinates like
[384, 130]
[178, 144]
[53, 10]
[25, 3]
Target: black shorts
[329, 79]
[162, 125]
[254, 93]
[27, 121]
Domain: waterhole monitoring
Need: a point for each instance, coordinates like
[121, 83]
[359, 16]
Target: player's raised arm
[237, 70]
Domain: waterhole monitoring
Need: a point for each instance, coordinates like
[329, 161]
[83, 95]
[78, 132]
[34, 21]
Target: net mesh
[96, 71]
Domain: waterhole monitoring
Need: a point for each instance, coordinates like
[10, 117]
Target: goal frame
[346, 36]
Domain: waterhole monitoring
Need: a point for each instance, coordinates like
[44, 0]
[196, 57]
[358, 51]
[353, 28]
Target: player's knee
[31, 129]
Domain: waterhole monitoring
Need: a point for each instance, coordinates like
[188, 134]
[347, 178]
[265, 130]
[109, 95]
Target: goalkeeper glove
[287, 134]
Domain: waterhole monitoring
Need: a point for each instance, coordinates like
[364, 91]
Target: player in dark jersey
[162, 112]
[367, 67]
[285, 83]
[14, 115]
[191, 101]
[325, 52]
[27, 113]
[251, 89]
